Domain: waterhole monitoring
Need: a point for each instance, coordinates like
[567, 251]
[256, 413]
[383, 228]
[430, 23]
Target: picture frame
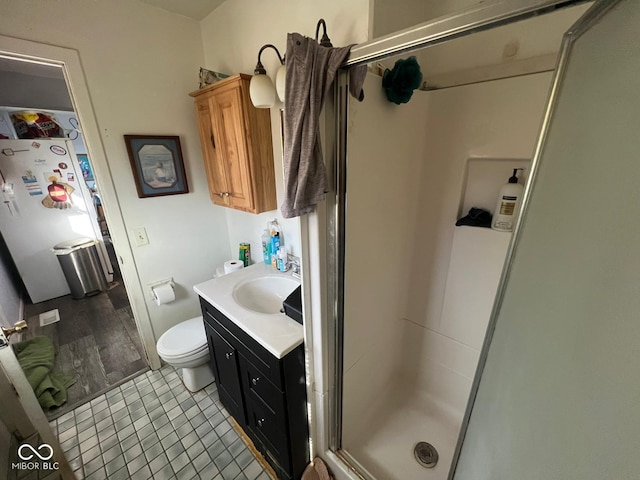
[157, 165]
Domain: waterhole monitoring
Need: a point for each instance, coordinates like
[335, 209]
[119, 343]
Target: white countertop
[276, 332]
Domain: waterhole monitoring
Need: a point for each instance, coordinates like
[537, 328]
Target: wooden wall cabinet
[236, 146]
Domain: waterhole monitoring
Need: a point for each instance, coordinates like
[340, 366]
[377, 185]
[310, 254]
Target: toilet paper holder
[153, 285]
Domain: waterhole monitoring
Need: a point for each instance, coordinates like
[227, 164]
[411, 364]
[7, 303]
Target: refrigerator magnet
[58, 150]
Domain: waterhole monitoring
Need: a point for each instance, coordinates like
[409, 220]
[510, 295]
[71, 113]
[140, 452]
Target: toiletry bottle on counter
[245, 254]
[276, 241]
[508, 205]
[282, 259]
[266, 247]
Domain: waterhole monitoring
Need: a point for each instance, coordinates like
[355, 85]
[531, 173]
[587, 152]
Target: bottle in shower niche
[508, 205]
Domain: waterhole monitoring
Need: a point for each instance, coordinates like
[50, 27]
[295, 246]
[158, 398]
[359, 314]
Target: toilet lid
[184, 338]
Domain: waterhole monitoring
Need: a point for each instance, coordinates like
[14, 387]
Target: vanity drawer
[263, 423]
[255, 382]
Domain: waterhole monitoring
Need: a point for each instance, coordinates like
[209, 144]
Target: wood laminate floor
[96, 342]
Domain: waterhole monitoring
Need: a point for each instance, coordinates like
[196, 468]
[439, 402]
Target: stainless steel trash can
[81, 266]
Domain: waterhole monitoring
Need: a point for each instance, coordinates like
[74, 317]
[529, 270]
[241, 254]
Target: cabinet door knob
[261, 422]
[227, 194]
[255, 380]
[228, 355]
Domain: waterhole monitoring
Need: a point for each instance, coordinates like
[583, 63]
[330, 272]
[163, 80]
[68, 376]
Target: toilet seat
[189, 355]
[187, 339]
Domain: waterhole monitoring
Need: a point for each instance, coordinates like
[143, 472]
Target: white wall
[496, 120]
[527, 39]
[385, 153]
[391, 15]
[517, 48]
[418, 290]
[140, 62]
[232, 36]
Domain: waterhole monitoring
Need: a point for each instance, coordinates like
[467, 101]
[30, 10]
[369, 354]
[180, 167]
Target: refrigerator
[45, 201]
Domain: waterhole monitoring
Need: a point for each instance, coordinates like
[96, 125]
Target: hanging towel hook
[324, 41]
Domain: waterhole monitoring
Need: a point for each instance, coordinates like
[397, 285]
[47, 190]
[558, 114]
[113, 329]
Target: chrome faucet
[294, 265]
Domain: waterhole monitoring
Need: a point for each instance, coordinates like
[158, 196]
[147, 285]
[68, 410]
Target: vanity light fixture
[261, 89]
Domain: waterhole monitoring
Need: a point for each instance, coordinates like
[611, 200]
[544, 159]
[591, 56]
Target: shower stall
[413, 292]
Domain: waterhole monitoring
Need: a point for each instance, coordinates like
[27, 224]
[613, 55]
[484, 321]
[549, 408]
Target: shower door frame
[429, 33]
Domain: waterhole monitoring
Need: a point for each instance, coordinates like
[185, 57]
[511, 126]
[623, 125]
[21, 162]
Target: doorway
[123, 304]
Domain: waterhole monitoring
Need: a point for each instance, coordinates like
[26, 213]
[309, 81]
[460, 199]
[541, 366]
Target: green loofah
[400, 82]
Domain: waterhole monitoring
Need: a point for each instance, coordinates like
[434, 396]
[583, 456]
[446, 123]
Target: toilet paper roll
[163, 293]
[232, 266]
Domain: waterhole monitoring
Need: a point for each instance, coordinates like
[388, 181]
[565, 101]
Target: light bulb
[262, 91]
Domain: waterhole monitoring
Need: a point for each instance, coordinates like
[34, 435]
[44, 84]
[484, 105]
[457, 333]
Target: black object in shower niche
[477, 217]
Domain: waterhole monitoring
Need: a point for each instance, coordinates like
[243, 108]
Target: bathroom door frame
[328, 367]
[69, 60]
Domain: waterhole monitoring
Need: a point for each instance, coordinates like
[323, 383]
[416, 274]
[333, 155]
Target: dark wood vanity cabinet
[266, 395]
[224, 357]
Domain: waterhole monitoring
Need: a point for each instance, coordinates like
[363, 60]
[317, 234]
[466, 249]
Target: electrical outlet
[140, 235]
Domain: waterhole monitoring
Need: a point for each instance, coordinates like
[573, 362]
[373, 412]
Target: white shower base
[384, 447]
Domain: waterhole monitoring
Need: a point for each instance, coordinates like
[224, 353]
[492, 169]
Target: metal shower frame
[429, 33]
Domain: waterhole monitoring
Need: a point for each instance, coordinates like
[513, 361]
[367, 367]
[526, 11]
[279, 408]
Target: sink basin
[264, 294]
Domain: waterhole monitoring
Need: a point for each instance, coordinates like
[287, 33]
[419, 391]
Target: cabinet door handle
[228, 355]
[255, 380]
[261, 422]
[213, 141]
[228, 194]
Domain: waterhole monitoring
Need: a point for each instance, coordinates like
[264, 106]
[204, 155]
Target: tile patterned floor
[152, 427]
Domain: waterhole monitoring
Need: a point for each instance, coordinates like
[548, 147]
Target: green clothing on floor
[35, 356]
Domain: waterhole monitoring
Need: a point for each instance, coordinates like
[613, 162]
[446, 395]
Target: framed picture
[157, 164]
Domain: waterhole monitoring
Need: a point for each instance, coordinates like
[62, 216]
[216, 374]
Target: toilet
[185, 346]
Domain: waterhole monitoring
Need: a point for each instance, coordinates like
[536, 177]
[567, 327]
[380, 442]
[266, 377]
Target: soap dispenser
[508, 205]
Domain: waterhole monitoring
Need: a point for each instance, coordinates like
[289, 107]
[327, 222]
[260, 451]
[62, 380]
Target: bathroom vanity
[257, 357]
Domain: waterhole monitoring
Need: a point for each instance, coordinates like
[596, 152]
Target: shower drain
[426, 454]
